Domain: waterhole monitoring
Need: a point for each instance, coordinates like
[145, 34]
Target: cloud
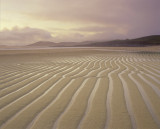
[97, 11]
[140, 17]
[23, 36]
[27, 35]
[80, 20]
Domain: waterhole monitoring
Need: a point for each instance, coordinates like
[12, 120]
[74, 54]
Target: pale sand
[80, 88]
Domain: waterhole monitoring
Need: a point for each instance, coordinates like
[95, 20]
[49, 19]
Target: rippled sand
[80, 88]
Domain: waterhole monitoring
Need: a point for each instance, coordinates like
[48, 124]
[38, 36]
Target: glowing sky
[27, 21]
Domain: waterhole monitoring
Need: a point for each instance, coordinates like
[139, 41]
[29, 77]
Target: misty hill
[61, 44]
[43, 44]
[3, 46]
[138, 42]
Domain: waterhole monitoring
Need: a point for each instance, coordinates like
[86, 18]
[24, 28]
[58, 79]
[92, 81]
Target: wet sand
[80, 88]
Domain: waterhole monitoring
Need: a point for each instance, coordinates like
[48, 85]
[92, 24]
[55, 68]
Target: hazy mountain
[138, 42]
[43, 44]
[61, 44]
[3, 46]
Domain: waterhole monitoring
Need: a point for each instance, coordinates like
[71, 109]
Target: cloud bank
[23, 36]
[79, 20]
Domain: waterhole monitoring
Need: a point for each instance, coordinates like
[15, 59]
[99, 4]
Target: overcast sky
[28, 21]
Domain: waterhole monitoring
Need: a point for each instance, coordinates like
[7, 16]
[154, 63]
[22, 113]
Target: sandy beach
[80, 88]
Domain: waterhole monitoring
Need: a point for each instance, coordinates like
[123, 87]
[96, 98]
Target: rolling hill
[138, 42]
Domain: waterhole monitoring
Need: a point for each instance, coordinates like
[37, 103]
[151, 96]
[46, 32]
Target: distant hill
[61, 44]
[152, 39]
[3, 46]
[138, 42]
[43, 44]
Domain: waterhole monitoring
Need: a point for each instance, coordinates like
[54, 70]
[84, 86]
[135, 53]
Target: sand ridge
[79, 89]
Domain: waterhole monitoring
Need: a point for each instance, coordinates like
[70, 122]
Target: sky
[27, 21]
